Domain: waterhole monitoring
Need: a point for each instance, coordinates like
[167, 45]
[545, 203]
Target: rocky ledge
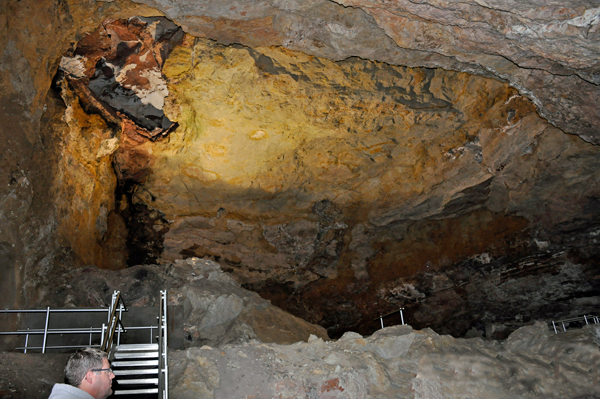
[396, 362]
[216, 310]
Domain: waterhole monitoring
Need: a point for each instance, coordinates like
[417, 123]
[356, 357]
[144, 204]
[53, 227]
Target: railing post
[163, 386]
[554, 325]
[110, 308]
[585, 318]
[26, 341]
[46, 329]
[401, 315]
[161, 377]
[564, 328]
[165, 326]
[381, 320]
[120, 319]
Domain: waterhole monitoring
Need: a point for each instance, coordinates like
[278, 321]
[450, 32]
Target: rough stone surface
[117, 72]
[542, 49]
[216, 310]
[396, 362]
[17, 380]
[33, 37]
[335, 184]
[396, 186]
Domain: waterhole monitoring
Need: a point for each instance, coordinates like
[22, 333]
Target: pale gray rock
[216, 310]
[532, 363]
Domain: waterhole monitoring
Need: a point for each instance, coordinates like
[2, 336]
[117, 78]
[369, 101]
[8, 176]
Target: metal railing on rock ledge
[380, 318]
[573, 322]
[108, 333]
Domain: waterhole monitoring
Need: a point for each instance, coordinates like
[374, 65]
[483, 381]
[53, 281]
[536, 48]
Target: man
[87, 375]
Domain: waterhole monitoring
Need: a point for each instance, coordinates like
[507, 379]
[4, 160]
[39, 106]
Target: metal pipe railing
[47, 331]
[82, 310]
[380, 318]
[106, 332]
[585, 318]
[56, 347]
[114, 320]
[163, 387]
[85, 330]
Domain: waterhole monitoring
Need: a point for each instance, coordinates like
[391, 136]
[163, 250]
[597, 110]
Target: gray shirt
[65, 391]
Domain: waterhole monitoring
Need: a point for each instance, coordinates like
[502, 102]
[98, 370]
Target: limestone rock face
[116, 71]
[541, 49]
[34, 35]
[524, 43]
[343, 159]
[306, 178]
[216, 310]
[396, 362]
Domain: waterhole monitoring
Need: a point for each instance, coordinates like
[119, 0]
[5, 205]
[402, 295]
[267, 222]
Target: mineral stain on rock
[116, 70]
[354, 177]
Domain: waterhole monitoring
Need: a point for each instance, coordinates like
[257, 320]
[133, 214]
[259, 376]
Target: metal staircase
[140, 369]
[136, 369]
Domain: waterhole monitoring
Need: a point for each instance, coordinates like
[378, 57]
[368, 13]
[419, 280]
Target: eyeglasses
[109, 370]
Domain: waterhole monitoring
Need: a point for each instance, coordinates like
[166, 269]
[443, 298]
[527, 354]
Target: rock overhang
[311, 243]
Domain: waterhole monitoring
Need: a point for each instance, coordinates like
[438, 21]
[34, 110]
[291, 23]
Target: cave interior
[343, 159]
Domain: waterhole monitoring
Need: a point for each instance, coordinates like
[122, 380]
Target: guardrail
[105, 333]
[50, 331]
[114, 320]
[587, 319]
[109, 333]
[380, 318]
[163, 367]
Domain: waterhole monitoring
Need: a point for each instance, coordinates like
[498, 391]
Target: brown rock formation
[308, 151]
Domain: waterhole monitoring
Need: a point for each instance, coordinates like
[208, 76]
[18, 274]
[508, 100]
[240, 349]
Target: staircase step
[136, 355]
[139, 381]
[135, 363]
[136, 347]
[136, 391]
[135, 372]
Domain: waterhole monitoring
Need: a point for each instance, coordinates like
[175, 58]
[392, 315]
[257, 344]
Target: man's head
[89, 370]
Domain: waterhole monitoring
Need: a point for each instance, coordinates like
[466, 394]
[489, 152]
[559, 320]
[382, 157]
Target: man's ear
[89, 377]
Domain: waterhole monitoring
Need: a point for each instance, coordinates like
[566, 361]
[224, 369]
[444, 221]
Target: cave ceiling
[343, 159]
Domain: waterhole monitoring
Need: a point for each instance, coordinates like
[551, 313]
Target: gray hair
[81, 362]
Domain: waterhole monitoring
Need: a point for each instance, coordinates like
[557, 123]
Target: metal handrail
[113, 322]
[586, 318]
[49, 331]
[163, 380]
[106, 332]
[380, 318]
[79, 310]
[40, 331]
[110, 329]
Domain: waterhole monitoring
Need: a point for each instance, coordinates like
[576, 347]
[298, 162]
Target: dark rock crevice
[145, 227]
[115, 72]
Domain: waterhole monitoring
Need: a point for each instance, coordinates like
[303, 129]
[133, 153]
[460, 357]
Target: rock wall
[541, 49]
[396, 362]
[339, 187]
[396, 186]
[216, 310]
[34, 36]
